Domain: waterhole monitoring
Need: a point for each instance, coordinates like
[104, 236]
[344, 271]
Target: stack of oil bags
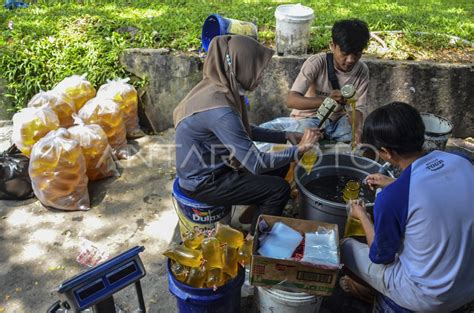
[72, 136]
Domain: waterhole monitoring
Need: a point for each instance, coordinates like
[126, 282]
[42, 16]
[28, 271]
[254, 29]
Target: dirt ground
[38, 246]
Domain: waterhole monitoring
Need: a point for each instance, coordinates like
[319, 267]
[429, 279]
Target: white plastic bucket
[437, 131]
[280, 301]
[293, 24]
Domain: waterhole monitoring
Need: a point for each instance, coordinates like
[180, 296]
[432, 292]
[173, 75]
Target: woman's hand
[378, 180]
[358, 209]
[293, 137]
[310, 137]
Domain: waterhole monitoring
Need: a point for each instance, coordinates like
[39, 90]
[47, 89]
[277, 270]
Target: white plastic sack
[58, 172]
[96, 149]
[78, 88]
[107, 114]
[126, 96]
[59, 102]
[30, 125]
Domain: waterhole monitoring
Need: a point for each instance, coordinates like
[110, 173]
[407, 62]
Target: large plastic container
[216, 25]
[225, 299]
[293, 25]
[197, 216]
[437, 131]
[281, 301]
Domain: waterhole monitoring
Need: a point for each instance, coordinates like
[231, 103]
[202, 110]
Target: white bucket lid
[294, 13]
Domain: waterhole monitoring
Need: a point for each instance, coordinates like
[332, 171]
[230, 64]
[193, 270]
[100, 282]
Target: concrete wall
[443, 89]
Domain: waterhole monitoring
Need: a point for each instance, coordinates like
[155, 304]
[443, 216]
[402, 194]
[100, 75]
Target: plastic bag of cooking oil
[126, 96]
[96, 149]
[185, 256]
[58, 172]
[229, 235]
[212, 253]
[30, 125]
[78, 88]
[106, 113]
[60, 103]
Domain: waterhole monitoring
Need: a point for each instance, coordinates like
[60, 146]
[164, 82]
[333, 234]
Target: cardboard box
[291, 274]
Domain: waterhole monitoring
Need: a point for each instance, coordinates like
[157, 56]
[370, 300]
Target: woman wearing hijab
[213, 131]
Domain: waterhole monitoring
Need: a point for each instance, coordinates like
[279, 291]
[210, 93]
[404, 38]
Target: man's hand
[336, 96]
[378, 180]
[293, 137]
[310, 137]
[358, 209]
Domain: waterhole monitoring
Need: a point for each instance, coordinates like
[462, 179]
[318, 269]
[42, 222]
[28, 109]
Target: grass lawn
[50, 40]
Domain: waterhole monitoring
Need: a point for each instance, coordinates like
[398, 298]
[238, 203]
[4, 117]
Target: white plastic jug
[293, 24]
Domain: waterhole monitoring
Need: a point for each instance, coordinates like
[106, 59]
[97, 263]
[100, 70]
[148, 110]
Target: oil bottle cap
[348, 91]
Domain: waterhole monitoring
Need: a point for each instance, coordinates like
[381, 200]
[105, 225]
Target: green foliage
[54, 39]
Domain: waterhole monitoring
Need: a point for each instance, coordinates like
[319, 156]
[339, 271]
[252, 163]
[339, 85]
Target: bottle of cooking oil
[106, 113]
[231, 266]
[348, 92]
[245, 253]
[230, 236]
[32, 124]
[60, 103]
[197, 277]
[185, 256]
[179, 271]
[126, 96]
[58, 172]
[353, 225]
[212, 253]
[77, 88]
[96, 149]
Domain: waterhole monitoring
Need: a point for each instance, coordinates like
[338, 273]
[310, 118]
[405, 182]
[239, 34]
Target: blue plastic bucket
[225, 299]
[216, 25]
[197, 216]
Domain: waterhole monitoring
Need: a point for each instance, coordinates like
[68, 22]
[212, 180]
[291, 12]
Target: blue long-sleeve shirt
[205, 140]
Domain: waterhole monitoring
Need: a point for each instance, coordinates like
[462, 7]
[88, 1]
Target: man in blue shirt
[420, 251]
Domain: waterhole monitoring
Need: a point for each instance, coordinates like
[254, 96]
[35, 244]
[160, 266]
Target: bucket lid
[294, 12]
[436, 125]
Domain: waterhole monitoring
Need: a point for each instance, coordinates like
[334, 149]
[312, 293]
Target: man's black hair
[352, 36]
[396, 126]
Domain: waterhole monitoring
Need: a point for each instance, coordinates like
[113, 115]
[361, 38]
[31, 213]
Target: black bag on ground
[15, 183]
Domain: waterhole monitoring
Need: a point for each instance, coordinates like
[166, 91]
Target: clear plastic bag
[60, 103]
[321, 247]
[126, 96]
[58, 172]
[32, 124]
[107, 114]
[97, 152]
[78, 88]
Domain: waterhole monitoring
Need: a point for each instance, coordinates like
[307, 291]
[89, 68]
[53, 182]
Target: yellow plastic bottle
[106, 113]
[96, 149]
[193, 240]
[185, 256]
[179, 271]
[212, 253]
[230, 236]
[245, 253]
[32, 124]
[126, 96]
[60, 103]
[197, 277]
[231, 266]
[77, 88]
[215, 278]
